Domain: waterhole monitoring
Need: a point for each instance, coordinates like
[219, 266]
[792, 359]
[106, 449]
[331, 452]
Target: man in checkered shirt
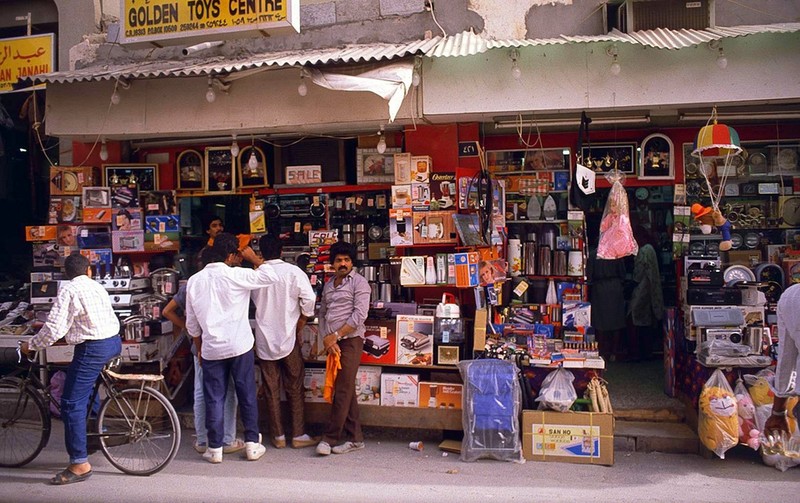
[83, 316]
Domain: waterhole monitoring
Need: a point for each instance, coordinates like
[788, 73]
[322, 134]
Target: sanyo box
[568, 437]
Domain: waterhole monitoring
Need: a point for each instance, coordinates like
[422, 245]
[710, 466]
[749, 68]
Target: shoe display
[235, 446]
[278, 443]
[304, 441]
[213, 455]
[323, 448]
[254, 450]
[347, 447]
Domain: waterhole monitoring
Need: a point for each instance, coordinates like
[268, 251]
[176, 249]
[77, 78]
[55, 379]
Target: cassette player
[713, 296]
[705, 277]
[296, 206]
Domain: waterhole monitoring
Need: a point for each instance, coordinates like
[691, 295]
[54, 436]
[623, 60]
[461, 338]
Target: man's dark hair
[343, 248]
[271, 246]
[224, 244]
[210, 220]
[75, 265]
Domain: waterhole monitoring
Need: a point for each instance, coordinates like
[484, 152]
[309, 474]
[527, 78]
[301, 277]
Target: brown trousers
[292, 370]
[344, 423]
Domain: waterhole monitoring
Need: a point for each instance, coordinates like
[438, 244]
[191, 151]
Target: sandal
[69, 477]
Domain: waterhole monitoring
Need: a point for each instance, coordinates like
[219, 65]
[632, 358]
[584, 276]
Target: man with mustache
[343, 311]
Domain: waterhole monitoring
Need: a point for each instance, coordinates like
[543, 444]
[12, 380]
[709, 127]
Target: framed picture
[537, 159]
[191, 175]
[447, 355]
[145, 176]
[220, 171]
[252, 175]
[657, 158]
[602, 158]
[374, 167]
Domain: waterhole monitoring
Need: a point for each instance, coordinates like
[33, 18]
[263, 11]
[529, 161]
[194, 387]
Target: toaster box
[97, 197]
[414, 340]
[399, 390]
[127, 241]
[434, 227]
[314, 385]
[97, 215]
[380, 342]
[402, 168]
[440, 395]
[127, 219]
[162, 241]
[400, 227]
[368, 385]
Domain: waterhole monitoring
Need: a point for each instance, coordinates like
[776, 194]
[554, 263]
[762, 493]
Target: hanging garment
[647, 300]
[606, 293]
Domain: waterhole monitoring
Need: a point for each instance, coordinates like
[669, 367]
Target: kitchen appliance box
[399, 390]
[368, 385]
[440, 395]
[380, 342]
[568, 437]
[314, 385]
[141, 351]
[414, 340]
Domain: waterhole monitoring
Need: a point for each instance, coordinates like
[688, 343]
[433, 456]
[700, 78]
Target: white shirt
[217, 304]
[278, 307]
[788, 343]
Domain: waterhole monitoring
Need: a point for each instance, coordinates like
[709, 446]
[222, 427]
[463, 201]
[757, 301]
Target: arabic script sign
[159, 20]
[24, 57]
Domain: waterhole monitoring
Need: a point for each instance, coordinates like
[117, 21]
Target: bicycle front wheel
[139, 430]
[24, 423]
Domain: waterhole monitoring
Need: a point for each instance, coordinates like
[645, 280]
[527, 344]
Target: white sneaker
[254, 450]
[347, 447]
[323, 448]
[213, 455]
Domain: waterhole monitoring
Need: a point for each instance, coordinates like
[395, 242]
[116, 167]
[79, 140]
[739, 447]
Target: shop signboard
[166, 21]
[23, 57]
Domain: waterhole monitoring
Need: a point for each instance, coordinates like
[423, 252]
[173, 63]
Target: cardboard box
[314, 385]
[312, 347]
[127, 241]
[402, 168]
[399, 390]
[401, 196]
[126, 219]
[568, 437]
[140, 351]
[466, 269]
[159, 242]
[434, 227]
[97, 215]
[421, 167]
[69, 180]
[414, 340]
[368, 385]
[420, 196]
[400, 227]
[60, 353]
[440, 395]
[40, 233]
[443, 191]
[380, 342]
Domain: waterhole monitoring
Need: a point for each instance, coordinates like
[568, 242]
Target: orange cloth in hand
[332, 367]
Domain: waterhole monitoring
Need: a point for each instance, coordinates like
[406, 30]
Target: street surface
[388, 471]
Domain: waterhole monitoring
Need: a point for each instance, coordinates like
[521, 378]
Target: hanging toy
[709, 217]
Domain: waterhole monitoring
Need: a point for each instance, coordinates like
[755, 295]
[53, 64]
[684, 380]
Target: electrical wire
[433, 15]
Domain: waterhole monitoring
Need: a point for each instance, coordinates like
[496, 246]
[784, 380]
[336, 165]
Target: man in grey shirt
[343, 311]
[788, 359]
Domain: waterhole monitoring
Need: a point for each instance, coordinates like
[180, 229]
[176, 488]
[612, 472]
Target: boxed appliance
[401, 196]
[140, 351]
[69, 180]
[399, 390]
[440, 395]
[402, 168]
[368, 385]
[420, 196]
[312, 347]
[434, 227]
[314, 385]
[380, 342]
[400, 227]
[415, 340]
[443, 191]
[162, 241]
[127, 241]
[569, 437]
[421, 167]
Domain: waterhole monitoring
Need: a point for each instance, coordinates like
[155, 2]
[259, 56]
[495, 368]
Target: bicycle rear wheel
[139, 431]
[24, 423]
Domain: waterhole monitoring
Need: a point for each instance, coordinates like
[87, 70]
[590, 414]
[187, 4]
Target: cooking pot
[135, 328]
[164, 282]
[150, 307]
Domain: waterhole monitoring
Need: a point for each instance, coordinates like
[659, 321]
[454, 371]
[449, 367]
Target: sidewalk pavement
[388, 471]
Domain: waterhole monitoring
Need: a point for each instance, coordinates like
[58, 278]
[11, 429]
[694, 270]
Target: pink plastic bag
[616, 236]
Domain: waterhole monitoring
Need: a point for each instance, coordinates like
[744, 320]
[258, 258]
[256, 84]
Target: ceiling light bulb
[515, 71]
[722, 61]
[615, 66]
[115, 98]
[103, 150]
[210, 94]
[252, 163]
[302, 89]
[415, 78]
[381, 144]
[234, 147]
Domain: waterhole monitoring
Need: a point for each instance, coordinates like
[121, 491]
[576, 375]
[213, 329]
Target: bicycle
[137, 427]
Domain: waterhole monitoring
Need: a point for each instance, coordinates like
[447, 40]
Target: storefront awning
[462, 44]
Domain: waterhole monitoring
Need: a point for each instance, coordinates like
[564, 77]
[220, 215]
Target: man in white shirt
[281, 313]
[217, 303]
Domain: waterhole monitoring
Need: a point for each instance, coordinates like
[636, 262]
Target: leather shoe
[299, 444]
[278, 443]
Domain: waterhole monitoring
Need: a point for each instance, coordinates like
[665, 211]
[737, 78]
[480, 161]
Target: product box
[434, 227]
[568, 437]
[399, 390]
[125, 196]
[65, 209]
[59, 353]
[380, 342]
[69, 180]
[140, 351]
[577, 314]
[420, 196]
[368, 385]
[312, 347]
[162, 223]
[400, 227]
[466, 269]
[421, 167]
[127, 241]
[97, 215]
[48, 254]
[443, 191]
[402, 168]
[414, 340]
[127, 219]
[412, 271]
[40, 233]
[401, 197]
[158, 242]
[440, 395]
[314, 385]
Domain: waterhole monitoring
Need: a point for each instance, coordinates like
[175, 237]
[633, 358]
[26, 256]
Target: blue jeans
[89, 360]
[229, 413]
[216, 374]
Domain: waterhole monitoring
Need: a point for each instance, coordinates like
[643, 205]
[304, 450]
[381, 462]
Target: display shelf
[543, 195]
[553, 276]
[528, 172]
[392, 417]
[398, 365]
[556, 221]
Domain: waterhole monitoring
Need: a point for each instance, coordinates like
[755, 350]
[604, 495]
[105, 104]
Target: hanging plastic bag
[718, 421]
[57, 381]
[762, 392]
[748, 432]
[616, 235]
[557, 391]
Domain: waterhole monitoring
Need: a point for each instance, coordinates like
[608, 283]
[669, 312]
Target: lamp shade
[716, 140]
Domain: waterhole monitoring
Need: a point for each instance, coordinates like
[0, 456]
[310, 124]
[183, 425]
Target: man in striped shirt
[83, 316]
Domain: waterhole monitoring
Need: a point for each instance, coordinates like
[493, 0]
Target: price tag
[297, 226]
[370, 202]
[384, 333]
[521, 288]
[359, 201]
[316, 201]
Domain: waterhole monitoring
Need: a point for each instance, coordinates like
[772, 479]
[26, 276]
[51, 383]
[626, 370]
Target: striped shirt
[82, 312]
[346, 304]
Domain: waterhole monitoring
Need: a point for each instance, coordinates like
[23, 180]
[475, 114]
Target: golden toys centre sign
[165, 21]
[24, 57]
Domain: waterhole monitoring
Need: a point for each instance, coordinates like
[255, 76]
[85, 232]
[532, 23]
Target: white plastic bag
[557, 391]
[718, 420]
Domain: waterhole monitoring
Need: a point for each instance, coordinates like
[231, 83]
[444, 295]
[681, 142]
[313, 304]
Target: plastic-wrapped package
[616, 235]
[718, 421]
[761, 393]
[748, 433]
[557, 392]
[491, 410]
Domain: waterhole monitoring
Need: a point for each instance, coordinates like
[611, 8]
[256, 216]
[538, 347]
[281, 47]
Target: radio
[296, 205]
[704, 277]
[713, 296]
[701, 263]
